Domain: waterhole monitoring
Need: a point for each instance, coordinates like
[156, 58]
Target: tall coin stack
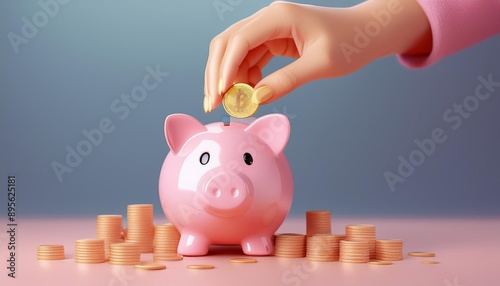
[290, 245]
[318, 222]
[389, 249]
[124, 253]
[322, 247]
[166, 240]
[109, 228]
[362, 232]
[89, 251]
[354, 251]
[140, 228]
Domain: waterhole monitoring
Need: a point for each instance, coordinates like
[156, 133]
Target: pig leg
[192, 244]
[257, 245]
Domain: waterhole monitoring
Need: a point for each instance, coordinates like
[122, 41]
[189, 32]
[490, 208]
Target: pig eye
[204, 158]
[248, 158]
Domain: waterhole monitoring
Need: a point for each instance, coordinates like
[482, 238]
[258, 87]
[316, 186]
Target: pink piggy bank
[226, 183]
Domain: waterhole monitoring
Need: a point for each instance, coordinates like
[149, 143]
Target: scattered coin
[380, 262]
[243, 260]
[237, 101]
[200, 266]
[421, 254]
[150, 266]
[168, 257]
[429, 262]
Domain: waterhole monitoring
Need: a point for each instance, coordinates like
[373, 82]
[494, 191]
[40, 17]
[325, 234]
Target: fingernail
[262, 94]
[209, 104]
[205, 103]
[221, 86]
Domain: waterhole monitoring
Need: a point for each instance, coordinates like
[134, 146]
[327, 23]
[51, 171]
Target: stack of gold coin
[50, 252]
[354, 251]
[362, 232]
[318, 222]
[389, 249]
[89, 250]
[124, 253]
[165, 242]
[109, 228]
[140, 228]
[290, 245]
[322, 247]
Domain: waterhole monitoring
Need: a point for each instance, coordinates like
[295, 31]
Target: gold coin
[429, 262]
[167, 257]
[50, 258]
[200, 266]
[237, 101]
[421, 254]
[243, 260]
[150, 266]
[380, 262]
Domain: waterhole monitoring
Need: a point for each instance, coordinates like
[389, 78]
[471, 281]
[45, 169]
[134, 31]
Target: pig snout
[226, 194]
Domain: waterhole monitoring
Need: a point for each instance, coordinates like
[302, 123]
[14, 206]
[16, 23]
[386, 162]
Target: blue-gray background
[346, 132]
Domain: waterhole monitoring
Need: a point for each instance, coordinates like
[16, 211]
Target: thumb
[307, 68]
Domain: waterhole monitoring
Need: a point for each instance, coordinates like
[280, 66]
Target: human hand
[312, 34]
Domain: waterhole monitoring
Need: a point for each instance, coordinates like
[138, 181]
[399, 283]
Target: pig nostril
[234, 192]
[216, 193]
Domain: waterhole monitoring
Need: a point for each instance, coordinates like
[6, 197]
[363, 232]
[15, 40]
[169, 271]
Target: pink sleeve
[456, 25]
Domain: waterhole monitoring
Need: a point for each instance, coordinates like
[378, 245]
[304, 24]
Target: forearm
[395, 27]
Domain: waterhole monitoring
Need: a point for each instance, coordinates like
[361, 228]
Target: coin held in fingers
[237, 101]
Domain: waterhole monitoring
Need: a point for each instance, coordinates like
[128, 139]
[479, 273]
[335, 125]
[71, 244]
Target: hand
[316, 36]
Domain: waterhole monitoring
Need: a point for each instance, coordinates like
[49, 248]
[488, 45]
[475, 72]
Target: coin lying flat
[237, 101]
[150, 266]
[421, 254]
[429, 262]
[243, 260]
[380, 262]
[200, 266]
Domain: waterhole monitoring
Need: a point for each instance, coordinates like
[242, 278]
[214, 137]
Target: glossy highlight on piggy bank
[226, 183]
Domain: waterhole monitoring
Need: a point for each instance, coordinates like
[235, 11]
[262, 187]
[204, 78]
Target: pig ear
[179, 128]
[273, 129]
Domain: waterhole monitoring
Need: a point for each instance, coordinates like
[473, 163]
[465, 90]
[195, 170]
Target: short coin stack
[89, 251]
[124, 253]
[362, 232]
[354, 251]
[50, 252]
[318, 222]
[389, 249]
[109, 228]
[322, 247]
[290, 245]
[166, 240]
[140, 228]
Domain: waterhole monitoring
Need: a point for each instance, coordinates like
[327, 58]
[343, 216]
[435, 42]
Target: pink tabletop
[468, 249]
